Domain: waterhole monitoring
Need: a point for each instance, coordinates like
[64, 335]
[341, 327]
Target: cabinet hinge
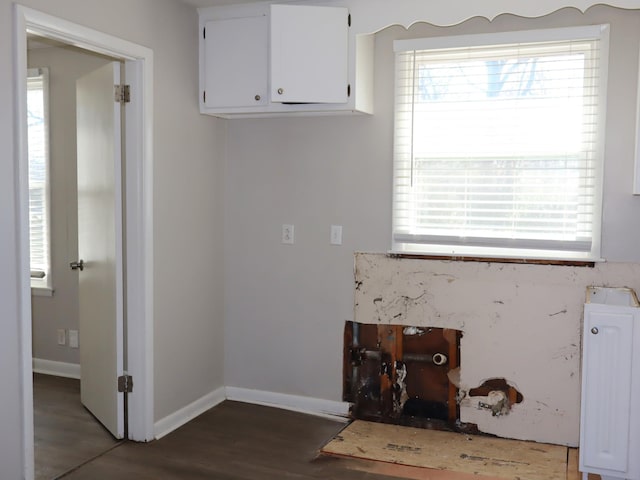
[122, 94]
[349, 20]
[125, 384]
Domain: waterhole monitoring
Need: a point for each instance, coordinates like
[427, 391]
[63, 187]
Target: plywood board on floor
[450, 452]
[404, 472]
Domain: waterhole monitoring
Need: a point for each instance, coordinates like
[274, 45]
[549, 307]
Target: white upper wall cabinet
[261, 60]
[309, 48]
[235, 62]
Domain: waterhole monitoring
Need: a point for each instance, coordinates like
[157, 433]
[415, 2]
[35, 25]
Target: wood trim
[388, 344]
[452, 338]
[375, 15]
[139, 210]
[572, 464]
[175, 420]
[528, 261]
[320, 407]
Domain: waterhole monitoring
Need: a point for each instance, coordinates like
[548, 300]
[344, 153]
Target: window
[499, 144]
[38, 146]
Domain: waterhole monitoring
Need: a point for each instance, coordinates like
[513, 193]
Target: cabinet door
[606, 390]
[309, 48]
[236, 56]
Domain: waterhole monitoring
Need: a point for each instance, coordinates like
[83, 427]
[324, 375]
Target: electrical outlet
[288, 236]
[62, 336]
[74, 341]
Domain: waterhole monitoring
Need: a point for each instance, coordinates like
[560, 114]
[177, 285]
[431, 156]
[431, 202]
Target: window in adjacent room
[499, 144]
[38, 146]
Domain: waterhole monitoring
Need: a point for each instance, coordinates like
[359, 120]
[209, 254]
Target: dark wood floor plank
[233, 441]
[65, 433]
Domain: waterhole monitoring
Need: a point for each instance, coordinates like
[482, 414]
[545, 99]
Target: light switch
[336, 234]
[74, 341]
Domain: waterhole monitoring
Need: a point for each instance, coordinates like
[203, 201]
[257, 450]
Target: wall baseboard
[59, 369]
[175, 420]
[314, 406]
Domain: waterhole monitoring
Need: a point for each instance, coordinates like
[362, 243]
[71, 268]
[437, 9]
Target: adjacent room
[320, 239]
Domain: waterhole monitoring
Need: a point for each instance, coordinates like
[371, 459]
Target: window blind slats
[37, 132]
[499, 142]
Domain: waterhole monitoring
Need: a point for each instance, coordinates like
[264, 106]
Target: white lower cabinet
[610, 408]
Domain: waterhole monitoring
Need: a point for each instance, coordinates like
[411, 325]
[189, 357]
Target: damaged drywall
[521, 323]
[496, 395]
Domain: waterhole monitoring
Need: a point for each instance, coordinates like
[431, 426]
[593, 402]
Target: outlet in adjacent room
[74, 341]
[288, 237]
[62, 336]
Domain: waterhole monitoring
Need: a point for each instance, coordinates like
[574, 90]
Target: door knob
[595, 330]
[77, 265]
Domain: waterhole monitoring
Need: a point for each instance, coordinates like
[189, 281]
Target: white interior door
[100, 246]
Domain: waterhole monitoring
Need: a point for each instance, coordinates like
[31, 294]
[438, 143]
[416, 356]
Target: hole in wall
[499, 395]
[400, 374]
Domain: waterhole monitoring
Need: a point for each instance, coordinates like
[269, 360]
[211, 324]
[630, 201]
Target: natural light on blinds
[498, 147]
[38, 173]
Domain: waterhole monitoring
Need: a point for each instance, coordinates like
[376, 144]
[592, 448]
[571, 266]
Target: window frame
[414, 244]
[43, 285]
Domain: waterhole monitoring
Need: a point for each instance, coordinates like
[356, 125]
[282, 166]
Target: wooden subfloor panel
[452, 452]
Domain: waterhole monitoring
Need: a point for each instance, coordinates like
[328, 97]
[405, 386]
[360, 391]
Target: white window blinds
[499, 144]
[38, 148]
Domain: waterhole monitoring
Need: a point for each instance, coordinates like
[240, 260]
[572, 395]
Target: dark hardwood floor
[233, 441]
[66, 434]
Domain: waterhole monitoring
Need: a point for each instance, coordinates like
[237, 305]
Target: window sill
[471, 258]
[41, 292]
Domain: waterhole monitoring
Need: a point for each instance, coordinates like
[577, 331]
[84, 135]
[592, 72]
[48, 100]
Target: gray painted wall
[188, 198]
[286, 304]
[49, 314]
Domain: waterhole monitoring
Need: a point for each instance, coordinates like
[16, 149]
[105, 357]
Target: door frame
[138, 206]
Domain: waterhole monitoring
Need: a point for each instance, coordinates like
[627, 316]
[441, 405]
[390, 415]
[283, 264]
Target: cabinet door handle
[257, 97]
[280, 91]
[595, 330]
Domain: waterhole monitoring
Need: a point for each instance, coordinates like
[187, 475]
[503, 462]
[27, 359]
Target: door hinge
[125, 384]
[123, 94]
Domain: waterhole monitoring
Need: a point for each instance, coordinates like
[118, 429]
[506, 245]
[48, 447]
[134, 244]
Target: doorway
[64, 103]
[138, 305]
